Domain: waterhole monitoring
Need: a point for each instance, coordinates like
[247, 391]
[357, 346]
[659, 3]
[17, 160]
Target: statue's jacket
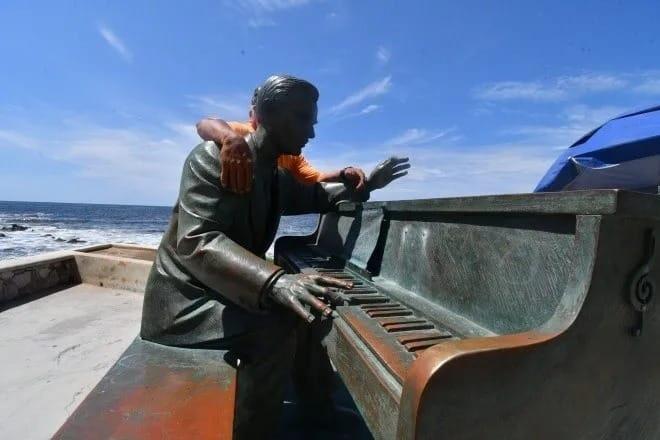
[209, 278]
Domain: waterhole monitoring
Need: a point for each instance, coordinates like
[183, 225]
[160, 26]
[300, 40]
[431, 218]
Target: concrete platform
[55, 349]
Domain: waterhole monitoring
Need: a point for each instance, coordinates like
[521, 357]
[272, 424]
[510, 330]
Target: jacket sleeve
[299, 198]
[304, 171]
[206, 214]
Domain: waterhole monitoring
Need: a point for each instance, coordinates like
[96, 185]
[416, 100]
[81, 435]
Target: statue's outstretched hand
[387, 171]
[294, 291]
[236, 158]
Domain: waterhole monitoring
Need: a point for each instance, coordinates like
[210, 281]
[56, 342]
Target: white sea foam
[38, 239]
[48, 233]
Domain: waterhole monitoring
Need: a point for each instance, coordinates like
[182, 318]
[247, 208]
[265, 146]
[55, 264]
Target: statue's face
[293, 124]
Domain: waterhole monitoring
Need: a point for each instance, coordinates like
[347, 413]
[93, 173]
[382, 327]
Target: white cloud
[417, 136]
[270, 5]
[372, 90]
[507, 90]
[575, 122]
[444, 169]
[13, 138]
[113, 40]
[258, 13]
[369, 109]
[383, 55]
[129, 164]
[260, 22]
[226, 107]
[444, 164]
[649, 86]
[557, 89]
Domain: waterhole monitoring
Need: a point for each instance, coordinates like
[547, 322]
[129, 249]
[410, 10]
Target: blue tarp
[622, 153]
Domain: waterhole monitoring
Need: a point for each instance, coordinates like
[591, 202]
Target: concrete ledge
[115, 266]
[36, 276]
[113, 272]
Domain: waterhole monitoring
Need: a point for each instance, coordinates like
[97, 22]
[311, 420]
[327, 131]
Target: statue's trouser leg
[265, 366]
[313, 376]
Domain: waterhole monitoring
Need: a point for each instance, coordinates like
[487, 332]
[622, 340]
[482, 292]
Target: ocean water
[51, 226]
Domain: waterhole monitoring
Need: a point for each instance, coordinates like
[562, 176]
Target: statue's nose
[311, 134]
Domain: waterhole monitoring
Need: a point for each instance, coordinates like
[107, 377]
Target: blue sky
[98, 100]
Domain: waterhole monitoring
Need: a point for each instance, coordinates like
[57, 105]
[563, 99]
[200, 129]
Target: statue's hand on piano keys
[319, 292]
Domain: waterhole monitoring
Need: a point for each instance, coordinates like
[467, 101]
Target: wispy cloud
[574, 122]
[557, 89]
[372, 90]
[259, 12]
[649, 86]
[444, 168]
[369, 109]
[115, 42]
[445, 164]
[418, 136]
[16, 139]
[383, 55]
[260, 22]
[270, 5]
[226, 107]
[142, 162]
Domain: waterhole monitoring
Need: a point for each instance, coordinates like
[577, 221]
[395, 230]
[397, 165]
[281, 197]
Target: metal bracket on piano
[643, 284]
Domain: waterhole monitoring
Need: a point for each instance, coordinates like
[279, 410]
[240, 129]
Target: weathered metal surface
[511, 309]
[375, 392]
[155, 391]
[394, 357]
[644, 284]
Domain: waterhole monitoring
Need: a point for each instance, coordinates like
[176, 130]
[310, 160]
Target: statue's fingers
[224, 174]
[397, 160]
[401, 167]
[336, 297]
[233, 176]
[248, 174]
[315, 289]
[396, 176]
[315, 303]
[240, 178]
[332, 282]
[300, 310]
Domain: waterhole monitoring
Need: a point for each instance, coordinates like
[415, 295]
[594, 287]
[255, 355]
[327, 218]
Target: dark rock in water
[14, 227]
[48, 235]
[76, 240]
[59, 239]
[2, 235]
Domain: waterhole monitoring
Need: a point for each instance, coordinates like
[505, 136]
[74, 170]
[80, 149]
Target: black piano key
[422, 335]
[384, 306]
[389, 312]
[399, 320]
[367, 299]
[359, 290]
[422, 325]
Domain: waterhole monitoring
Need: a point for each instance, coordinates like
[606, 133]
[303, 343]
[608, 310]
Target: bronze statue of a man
[210, 286]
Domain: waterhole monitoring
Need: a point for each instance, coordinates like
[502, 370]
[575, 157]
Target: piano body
[504, 317]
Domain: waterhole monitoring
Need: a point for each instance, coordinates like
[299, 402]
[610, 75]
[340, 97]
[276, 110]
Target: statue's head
[286, 108]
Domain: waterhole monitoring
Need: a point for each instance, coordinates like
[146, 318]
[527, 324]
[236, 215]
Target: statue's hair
[277, 89]
[255, 94]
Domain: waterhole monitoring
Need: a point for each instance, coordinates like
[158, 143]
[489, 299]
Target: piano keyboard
[396, 334]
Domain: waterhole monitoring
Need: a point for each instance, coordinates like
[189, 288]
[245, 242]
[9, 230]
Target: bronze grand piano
[501, 317]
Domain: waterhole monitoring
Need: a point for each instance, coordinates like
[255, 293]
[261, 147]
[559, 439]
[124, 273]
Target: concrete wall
[31, 276]
[122, 267]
